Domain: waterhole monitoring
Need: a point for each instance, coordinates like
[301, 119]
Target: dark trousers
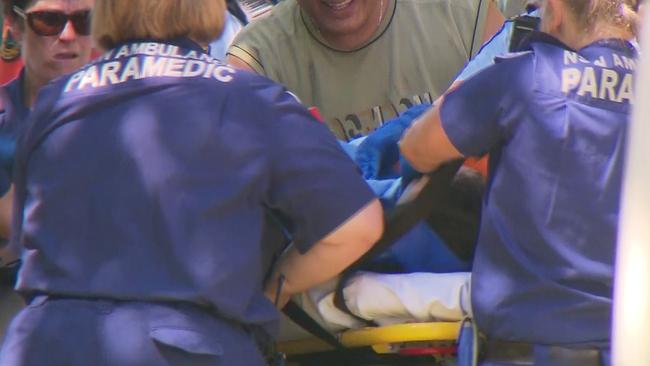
[71, 332]
[499, 353]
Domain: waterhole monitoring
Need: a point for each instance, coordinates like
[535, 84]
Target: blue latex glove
[378, 153]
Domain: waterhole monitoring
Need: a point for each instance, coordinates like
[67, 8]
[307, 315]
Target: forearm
[6, 210]
[328, 257]
[425, 144]
[493, 22]
[301, 272]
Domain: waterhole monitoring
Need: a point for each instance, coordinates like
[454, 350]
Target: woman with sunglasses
[54, 37]
[146, 182]
[54, 40]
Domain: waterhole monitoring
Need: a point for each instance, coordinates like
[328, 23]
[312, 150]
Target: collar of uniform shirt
[182, 42]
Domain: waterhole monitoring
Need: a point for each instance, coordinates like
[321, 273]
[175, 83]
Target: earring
[9, 49]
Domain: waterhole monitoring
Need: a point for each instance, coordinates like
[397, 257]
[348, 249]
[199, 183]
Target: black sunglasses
[52, 23]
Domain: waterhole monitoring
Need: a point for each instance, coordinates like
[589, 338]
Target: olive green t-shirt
[417, 51]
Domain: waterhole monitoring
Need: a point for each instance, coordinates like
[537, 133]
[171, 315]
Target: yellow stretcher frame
[380, 339]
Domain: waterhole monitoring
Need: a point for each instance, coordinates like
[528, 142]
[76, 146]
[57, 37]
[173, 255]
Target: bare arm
[6, 209]
[330, 256]
[238, 63]
[493, 22]
[8, 253]
[425, 144]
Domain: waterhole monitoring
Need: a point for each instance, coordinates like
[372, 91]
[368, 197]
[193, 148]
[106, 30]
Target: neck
[349, 42]
[577, 39]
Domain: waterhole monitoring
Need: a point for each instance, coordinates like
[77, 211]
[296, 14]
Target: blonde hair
[620, 14]
[117, 21]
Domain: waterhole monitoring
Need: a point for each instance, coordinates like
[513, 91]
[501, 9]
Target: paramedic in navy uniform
[554, 120]
[142, 186]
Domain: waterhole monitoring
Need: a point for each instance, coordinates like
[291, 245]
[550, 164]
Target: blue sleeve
[477, 116]
[4, 176]
[313, 182]
[7, 153]
[498, 45]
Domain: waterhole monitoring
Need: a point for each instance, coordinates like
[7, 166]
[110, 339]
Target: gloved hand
[378, 154]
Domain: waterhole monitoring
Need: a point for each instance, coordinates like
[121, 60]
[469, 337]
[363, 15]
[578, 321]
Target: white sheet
[388, 299]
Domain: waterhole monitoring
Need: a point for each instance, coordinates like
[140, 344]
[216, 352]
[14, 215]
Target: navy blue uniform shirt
[13, 115]
[148, 174]
[554, 121]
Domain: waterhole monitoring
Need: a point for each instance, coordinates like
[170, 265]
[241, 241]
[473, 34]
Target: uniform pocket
[187, 340]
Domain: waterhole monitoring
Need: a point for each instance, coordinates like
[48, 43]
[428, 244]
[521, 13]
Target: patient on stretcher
[440, 243]
[424, 276]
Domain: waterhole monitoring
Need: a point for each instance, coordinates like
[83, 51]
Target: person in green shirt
[363, 62]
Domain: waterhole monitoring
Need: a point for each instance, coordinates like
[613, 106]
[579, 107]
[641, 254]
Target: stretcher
[387, 319]
[417, 318]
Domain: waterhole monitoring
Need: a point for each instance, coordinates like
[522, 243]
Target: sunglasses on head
[52, 23]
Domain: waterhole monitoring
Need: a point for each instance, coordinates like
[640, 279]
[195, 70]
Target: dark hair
[9, 5]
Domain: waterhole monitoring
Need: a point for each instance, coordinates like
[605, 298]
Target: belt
[524, 354]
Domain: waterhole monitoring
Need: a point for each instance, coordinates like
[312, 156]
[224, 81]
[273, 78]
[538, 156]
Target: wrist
[277, 291]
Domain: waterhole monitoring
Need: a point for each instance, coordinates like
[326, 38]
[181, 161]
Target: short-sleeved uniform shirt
[13, 117]
[554, 121]
[148, 174]
[412, 58]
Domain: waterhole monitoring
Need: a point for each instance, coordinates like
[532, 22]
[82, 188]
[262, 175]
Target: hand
[379, 153]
